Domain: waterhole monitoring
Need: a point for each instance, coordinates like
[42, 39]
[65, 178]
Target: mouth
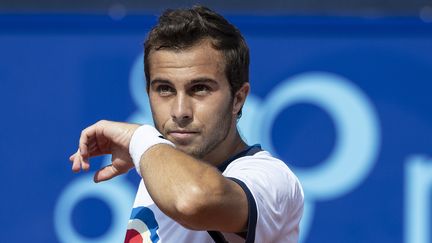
[182, 137]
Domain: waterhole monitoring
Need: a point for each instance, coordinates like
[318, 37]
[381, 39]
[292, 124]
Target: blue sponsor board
[344, 101]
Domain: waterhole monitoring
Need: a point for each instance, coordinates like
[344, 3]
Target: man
[200, 181]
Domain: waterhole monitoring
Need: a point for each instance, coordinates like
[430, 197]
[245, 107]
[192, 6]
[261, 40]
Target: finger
[106, 173]
[72, 157]
[76, 163]
[92, 146]
[79, 163]
[88, 136]
[85, 165]
[94, 150]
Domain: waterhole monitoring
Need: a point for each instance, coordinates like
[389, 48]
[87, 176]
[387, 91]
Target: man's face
[190, 98]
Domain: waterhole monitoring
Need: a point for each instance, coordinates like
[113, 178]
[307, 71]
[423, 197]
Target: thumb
[106, 173]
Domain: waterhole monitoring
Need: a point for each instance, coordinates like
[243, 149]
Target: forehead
[199, 60]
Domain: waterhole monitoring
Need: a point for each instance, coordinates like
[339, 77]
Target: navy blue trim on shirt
[251, 150]
[252, 208]
[252, 211]
[217, 236]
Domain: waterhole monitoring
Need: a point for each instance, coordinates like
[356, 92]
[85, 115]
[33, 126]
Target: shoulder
[276, 195]
[267, 176]
[262, 167]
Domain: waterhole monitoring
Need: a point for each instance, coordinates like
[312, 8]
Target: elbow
[189, 207]
[196, 206]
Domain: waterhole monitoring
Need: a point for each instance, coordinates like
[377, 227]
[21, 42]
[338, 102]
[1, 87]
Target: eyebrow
[203, 80]
[192, 82]
[161, 81]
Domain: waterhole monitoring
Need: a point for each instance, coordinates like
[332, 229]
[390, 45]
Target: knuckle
[102, 122]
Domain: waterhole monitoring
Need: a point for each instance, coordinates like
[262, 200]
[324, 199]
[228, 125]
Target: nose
[181, 110]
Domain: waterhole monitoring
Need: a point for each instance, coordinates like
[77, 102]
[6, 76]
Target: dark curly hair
[183, 28]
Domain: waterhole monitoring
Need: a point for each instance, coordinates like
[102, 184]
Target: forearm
[192, 192]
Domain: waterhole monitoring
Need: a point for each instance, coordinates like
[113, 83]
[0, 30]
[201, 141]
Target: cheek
[160, 113]
[213, 110]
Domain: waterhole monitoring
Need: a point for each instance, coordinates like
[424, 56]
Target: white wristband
[143, 138]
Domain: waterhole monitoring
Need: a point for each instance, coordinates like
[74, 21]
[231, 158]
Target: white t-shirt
[275, 200]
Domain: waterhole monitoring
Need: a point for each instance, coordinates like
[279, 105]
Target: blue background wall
[344, 101]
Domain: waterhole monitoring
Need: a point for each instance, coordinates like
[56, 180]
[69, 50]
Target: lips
[182, 137]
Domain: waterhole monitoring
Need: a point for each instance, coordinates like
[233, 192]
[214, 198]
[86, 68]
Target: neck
[232, 145]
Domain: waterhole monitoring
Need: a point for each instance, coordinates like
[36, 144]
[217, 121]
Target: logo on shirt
[142, 227]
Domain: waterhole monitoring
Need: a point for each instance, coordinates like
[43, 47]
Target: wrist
[143, 138]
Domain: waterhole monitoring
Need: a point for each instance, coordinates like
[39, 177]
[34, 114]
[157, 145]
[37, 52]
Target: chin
[192, 151]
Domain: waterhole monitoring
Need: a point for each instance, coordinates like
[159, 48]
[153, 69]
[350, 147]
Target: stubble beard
[215, 138]
[211, 141]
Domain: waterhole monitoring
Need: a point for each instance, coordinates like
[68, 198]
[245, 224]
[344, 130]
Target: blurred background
[341, 91]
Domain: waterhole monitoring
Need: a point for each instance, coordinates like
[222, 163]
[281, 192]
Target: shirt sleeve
[275, 197]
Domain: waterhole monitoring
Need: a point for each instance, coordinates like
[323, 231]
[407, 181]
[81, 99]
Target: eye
[165, 90]
[200, 89]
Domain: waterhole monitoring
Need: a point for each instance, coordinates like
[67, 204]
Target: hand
[105, 137]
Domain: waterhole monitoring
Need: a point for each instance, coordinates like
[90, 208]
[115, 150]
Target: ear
[240, 98]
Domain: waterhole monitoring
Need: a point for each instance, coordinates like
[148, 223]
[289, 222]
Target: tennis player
[200, 182]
